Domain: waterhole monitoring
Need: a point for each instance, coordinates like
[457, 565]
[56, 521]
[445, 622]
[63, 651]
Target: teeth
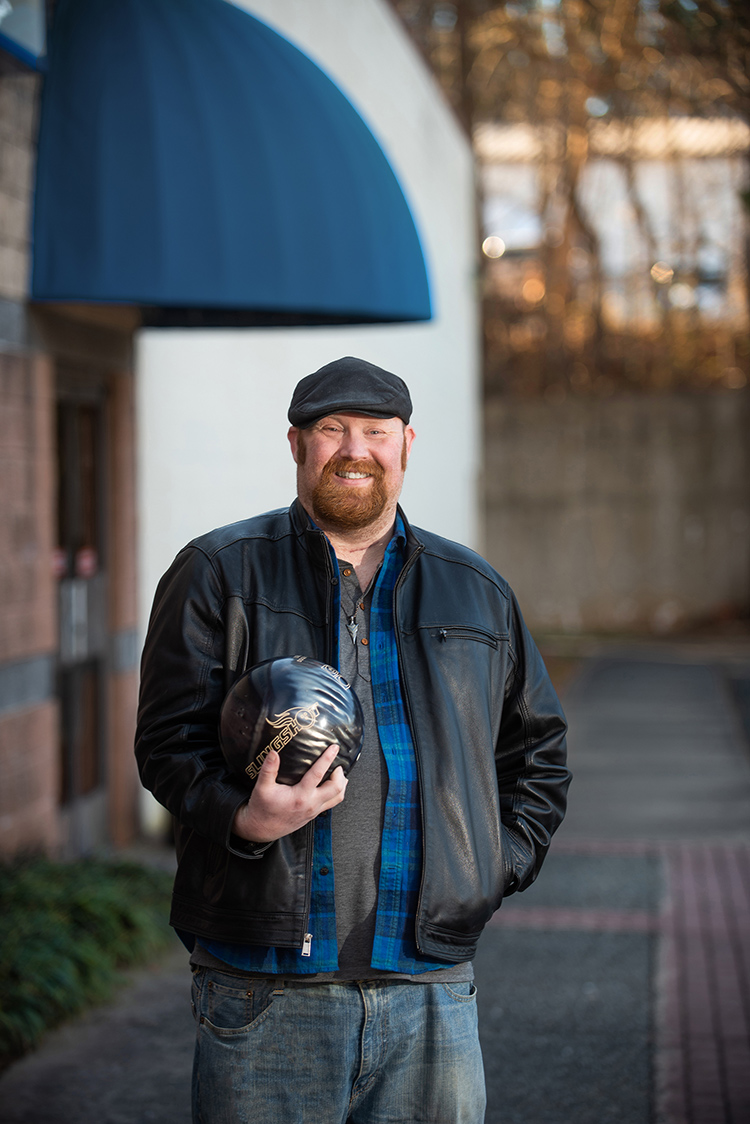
[353, 475]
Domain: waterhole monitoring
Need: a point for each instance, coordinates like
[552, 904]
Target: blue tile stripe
[27, 683]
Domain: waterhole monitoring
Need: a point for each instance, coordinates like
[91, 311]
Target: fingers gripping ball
[295, 705]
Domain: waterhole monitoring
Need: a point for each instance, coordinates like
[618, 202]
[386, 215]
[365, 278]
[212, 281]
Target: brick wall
[18, 105]
[124, 785]
[29, 789]
[27, 605]
[33, 349]
[28, 614]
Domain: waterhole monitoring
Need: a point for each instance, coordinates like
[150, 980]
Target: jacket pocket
[465, 632]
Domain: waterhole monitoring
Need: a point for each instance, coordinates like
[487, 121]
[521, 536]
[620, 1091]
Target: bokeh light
[662, 273]
[493, 246]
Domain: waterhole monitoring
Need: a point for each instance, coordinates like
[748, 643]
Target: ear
[409, 436]
[293, 438]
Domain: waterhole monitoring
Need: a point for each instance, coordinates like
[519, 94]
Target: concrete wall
[621, 513]
[212, 404]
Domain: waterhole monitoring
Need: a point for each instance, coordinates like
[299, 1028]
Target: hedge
[66, 930]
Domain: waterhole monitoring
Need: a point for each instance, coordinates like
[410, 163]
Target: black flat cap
[352, 385]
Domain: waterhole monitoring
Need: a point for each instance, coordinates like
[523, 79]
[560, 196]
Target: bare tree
[563, 67]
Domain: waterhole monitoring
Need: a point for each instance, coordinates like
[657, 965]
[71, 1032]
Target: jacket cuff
[245, 848]
[236, 845]
[518, 862]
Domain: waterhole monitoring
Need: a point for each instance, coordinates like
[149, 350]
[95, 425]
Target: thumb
[269, 769]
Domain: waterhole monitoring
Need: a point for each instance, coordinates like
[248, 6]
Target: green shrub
[65, 930]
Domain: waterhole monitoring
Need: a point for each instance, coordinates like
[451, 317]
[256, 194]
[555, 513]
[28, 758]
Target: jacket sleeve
[530, 756]
[182, 689]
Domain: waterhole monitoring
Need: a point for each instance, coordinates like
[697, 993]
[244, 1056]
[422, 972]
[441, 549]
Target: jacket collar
[413, 544]
[315, 542]
[311, 538]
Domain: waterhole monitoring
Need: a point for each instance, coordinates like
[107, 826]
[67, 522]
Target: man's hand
[275, 809]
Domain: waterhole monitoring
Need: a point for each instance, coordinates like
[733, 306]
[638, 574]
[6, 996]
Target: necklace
[351, 617]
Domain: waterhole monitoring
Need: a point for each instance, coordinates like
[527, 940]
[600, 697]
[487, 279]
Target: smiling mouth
[344, 475]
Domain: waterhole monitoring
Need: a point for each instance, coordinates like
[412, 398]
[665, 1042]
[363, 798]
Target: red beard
[349, 509]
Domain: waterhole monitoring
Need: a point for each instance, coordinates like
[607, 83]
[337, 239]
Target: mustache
[336, 464]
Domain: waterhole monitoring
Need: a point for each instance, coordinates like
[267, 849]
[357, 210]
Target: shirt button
[365, 640]
[361, 604]
[346, 573]
[324, 870]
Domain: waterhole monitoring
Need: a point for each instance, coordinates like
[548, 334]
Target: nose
[354, 446]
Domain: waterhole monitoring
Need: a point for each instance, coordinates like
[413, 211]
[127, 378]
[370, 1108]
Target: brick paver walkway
[703, 1056]
[702, 986]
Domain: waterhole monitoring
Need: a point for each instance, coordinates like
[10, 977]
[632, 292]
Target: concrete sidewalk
[615, 991]
[617, 988]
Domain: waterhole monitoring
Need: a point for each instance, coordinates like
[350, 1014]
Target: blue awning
[22, 31]
[190, 158]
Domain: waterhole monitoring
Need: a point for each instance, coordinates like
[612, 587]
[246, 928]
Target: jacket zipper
[409, 715]
[330, 623]
[308, 937]
[467, 632]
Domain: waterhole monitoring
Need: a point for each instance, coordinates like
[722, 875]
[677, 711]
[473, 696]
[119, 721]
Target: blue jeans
[362, 1053]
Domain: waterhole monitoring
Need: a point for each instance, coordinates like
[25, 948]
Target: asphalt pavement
[616, 990]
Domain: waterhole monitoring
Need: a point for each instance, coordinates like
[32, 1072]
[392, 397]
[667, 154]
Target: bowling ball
[295, 705]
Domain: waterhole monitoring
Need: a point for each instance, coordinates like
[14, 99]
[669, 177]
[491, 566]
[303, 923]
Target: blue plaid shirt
[394, 947]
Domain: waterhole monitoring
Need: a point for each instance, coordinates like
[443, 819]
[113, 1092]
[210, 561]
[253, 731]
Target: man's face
[350, 468]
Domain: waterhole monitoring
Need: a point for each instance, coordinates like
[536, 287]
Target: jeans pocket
[464, 992]
[230, 1005]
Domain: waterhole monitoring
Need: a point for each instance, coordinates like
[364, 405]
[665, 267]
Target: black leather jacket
[487, 726]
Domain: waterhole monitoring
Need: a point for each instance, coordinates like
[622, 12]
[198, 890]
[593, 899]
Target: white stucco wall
[212, 403]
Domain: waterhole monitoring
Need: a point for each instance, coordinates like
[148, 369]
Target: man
[333, 922]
